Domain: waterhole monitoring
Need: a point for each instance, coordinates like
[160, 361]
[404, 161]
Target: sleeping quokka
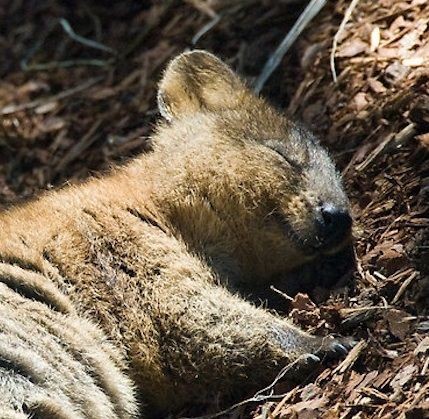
[121, 296]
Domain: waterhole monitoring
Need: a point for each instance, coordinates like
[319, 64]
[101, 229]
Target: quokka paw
[326, 347]
[334, 347]
[309, 359]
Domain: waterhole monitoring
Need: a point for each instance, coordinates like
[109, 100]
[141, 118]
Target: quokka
[120, 297]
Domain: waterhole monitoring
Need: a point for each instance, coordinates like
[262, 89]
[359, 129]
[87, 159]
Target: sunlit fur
[54, 363]
[155, 252]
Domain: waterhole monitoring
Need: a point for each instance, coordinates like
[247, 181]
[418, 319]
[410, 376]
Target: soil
[72, 106]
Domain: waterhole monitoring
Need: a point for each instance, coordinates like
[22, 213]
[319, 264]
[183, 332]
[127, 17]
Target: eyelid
[293, 163]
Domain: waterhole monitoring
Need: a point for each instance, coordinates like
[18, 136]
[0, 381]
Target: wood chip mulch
[69, 108]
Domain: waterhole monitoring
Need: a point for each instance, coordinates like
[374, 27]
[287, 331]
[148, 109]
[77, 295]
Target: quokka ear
[195, 81]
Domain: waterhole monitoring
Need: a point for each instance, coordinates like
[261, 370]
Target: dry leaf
[413, 62]
[398, 24]
[306, 409]
[395, 72]
[52, 124]
[310, 391]
[409, 40]
[376, 85]
[422, 347]
[375, 39]
[46, 108]
[303, 302]
[403, 376]
[397, 325]
[388, 52]
[361, 101]
[352, 48]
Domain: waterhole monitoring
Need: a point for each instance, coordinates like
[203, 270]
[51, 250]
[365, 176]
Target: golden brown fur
[54, 363]
[156, 251]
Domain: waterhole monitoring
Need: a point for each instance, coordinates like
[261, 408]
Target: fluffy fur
[157, 252]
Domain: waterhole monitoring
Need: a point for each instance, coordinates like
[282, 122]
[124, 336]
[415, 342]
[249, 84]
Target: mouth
[314, 245]
[331, 250]
[309, 247]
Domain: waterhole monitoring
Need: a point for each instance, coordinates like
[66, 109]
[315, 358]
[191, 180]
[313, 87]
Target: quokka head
[248, 177]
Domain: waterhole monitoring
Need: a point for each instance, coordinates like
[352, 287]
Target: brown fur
[156, 251]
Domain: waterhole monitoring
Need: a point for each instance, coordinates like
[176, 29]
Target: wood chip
[351, 358]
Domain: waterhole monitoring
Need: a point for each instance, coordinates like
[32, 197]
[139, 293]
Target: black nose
[335, 224]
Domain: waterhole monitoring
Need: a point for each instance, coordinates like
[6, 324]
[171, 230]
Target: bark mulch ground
[77, 93]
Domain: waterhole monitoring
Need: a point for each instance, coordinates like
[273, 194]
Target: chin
[340, 246]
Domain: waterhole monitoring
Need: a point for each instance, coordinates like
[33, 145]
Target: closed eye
[280, 149]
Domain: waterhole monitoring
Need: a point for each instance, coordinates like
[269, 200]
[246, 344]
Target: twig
[312, 9]
[372, 392]
[36, 47]
[258, 396]
[351, 357]
[285, 399]
[79, 147]
[207, 27]
[66, 64]
[283, 294]
[82, 40]
[358, 310]
[346, 18]
[403, 287]
[359, 149]
[351, 316]
[153, 21]
[7, 110]
[397, 139]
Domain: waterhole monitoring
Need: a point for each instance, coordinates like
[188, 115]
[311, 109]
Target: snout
[333, 224]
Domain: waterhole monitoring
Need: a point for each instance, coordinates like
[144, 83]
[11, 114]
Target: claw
[311, 358]
[348, 343]
[315, 358]
[339, 347]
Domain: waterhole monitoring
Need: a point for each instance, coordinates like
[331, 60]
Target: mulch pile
[71, 106]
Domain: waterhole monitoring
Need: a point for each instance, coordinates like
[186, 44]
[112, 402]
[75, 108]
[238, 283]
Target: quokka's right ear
[196, 81]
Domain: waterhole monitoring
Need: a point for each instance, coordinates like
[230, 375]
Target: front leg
[188, 339]
[217, 346]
